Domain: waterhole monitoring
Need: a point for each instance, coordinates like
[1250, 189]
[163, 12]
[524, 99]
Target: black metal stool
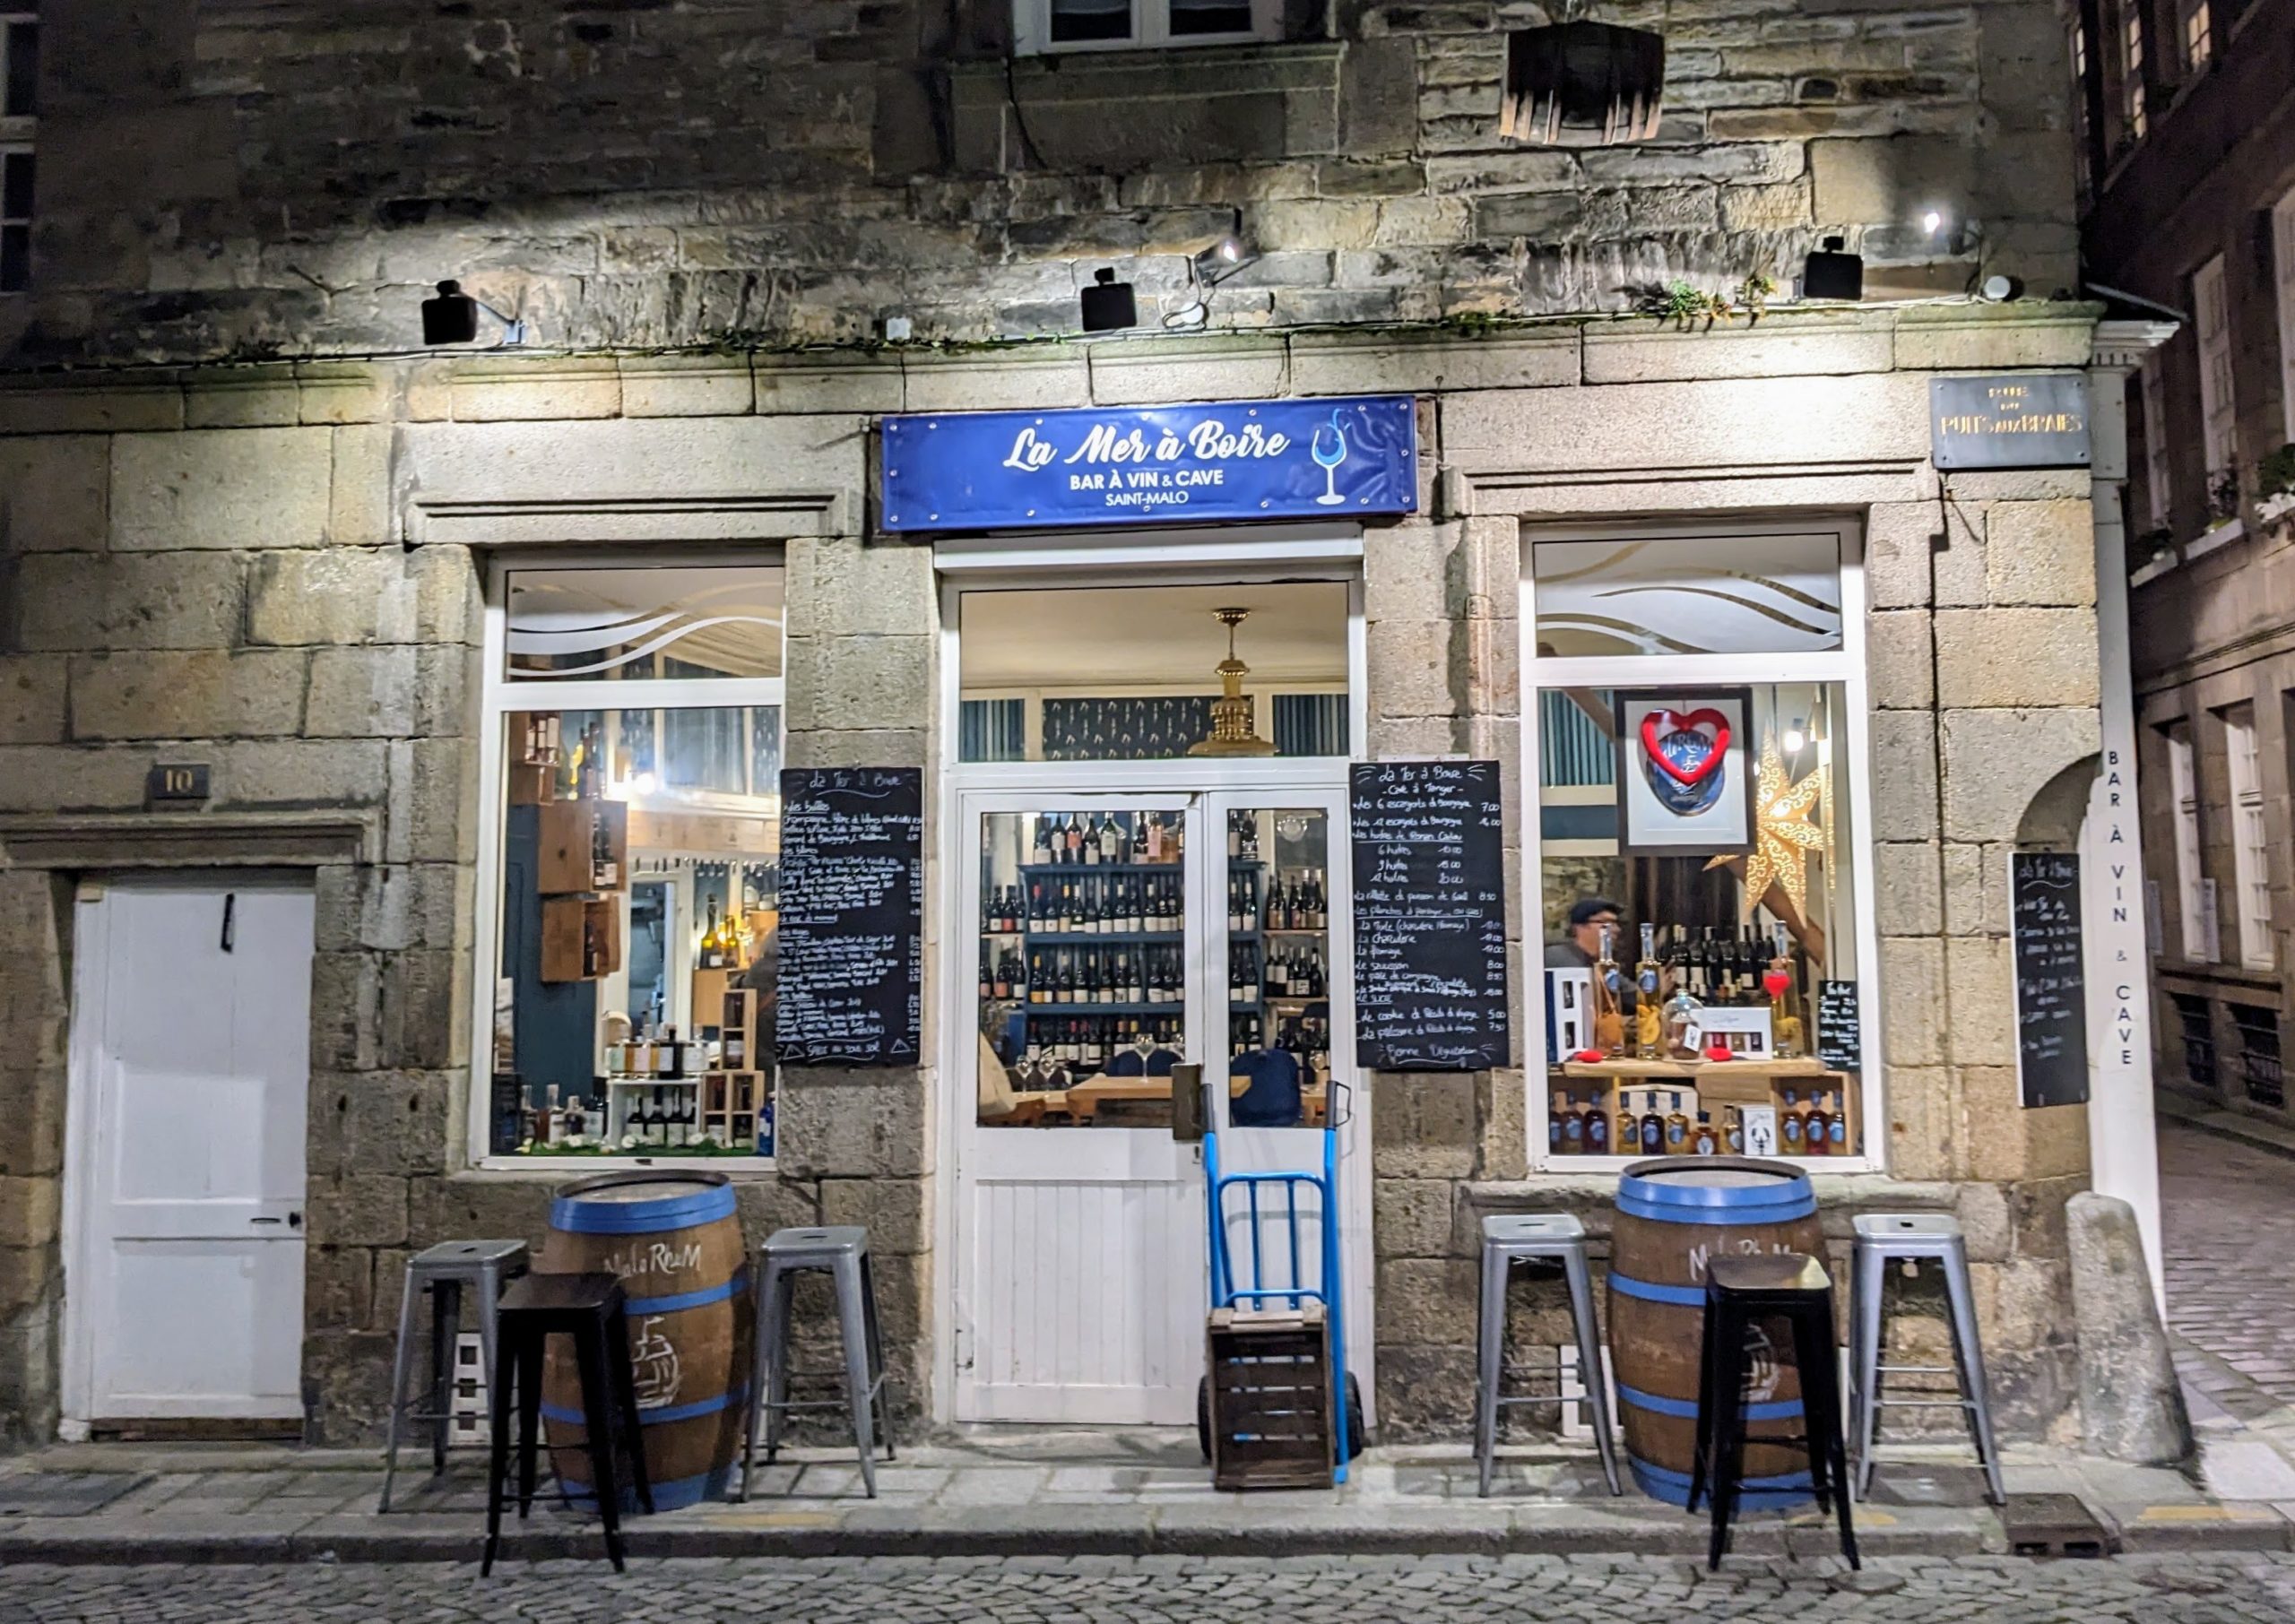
[588, 1307]
[1740, 1291]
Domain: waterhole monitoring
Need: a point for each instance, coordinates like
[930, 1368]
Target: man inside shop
[1580, 942]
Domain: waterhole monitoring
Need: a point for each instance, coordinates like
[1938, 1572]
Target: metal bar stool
[590, 1308]
[1882, 1239]
[842, 1252]
[1507, 1239]
[485, 1268]
[1740, 1292]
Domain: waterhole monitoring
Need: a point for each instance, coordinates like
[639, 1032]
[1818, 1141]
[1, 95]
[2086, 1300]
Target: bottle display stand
[1707, 1085]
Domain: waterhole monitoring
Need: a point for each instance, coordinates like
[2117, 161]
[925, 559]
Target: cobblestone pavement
[2183, 1589]
[2228, 1232]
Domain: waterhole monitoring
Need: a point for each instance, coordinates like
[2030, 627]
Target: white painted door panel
[192, 1077]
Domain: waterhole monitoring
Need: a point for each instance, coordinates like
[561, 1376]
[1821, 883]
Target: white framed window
[1655, 640]
[2219, 412]
[2283, 239]
[2199, 34]
[2195, 905]
[1042, 26]
[2158, 464]
[2250, 846]
[2135, 115]
[2075, 39]
[629, 861]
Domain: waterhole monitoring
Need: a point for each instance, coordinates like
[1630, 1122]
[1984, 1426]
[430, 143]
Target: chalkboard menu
[852, 916]
[1430, 916]
[1841, 1043]
[2051, 995]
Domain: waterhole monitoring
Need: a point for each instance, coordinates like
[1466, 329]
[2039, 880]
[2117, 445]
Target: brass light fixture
[1231, 729]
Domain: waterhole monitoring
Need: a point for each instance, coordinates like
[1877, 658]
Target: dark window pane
[16, 187]
[15, 258]
[20, 98]
[1075, 19]
[1210, 17]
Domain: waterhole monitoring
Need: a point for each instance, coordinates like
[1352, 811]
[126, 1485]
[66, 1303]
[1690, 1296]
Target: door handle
[231, 926]
[292, 1220]
[266, 1220]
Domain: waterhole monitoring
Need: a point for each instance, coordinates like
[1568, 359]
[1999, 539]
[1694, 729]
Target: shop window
[1698, 710]
[1070, 25]
[635, 863]
[1155, 673]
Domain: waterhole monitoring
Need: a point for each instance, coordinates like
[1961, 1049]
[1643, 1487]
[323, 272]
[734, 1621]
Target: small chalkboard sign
[1840, 1042]
[2051, 991]
[1430, 916]
[852, 942]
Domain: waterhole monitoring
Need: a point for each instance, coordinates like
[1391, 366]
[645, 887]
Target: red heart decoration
[1656, 725]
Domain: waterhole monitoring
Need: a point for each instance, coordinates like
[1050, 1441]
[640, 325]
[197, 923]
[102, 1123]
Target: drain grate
[2054, 1525]
[64, 1493]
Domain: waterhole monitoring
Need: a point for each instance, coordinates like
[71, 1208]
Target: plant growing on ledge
[1685, 305]
[2275, 484]
[2223, 497]
[1754, 293]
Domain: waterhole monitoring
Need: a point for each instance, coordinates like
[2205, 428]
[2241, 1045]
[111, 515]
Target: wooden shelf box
[568, 863]
[573, 925]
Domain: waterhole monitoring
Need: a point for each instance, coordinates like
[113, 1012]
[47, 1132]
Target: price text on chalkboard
[1840, 1034]
[851, 953]
[2051, 994]
[1430, 916]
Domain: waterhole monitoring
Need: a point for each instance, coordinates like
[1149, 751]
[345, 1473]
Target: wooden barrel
[1673, 1215]
[673, 1240]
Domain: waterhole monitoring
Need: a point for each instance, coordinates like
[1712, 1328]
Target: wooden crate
[1270, 1398]
[566, 865]
[567, 921]
[738, 1011]
[730, 1102]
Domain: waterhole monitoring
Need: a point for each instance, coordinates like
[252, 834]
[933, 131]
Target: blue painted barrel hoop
[1787, 1194]
[1779, 1409]
[571, 1213]
[675, 1495]
[661, 1415]
[738, 1286]
[1754, 1493]
[1672, 1296]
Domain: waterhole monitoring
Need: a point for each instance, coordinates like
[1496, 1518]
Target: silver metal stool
[1509, 1239]
[1886, 1237]
[842, 1253]
[443, 1271]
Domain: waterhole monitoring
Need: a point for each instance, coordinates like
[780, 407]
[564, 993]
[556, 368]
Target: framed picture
[1685, 772]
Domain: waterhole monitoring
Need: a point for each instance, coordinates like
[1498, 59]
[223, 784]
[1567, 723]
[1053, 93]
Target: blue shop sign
[1315, 459]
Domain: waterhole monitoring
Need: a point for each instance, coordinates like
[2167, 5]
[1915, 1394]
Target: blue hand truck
[1326, 1288]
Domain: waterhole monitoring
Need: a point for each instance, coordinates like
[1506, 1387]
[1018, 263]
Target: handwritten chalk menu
[1839, 1033]
[2051, 994]
[852, 916]
[1430, 916]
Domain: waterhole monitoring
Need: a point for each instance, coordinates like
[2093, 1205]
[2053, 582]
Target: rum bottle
[1702, 1140]
[1609, 1020]
[1627, 1134]
[1677, 1129]
[1790, 1125]
[1597, 1128]
[1816, 1128]
[1649, 1014]
[1652, 1126]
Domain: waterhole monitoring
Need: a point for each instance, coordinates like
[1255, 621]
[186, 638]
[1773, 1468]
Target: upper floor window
[2219, 412]
[2282, 234]
[2199, 34]
[19, 61]
[2134, 115]
[15, 219]
[1083, 25]
[2076, 41]
[19, 107]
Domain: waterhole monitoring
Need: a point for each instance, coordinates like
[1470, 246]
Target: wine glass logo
[1329, 449]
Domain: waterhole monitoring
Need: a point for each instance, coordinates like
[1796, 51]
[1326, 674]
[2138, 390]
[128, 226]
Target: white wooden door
[190, 1080]
[1080, 1220]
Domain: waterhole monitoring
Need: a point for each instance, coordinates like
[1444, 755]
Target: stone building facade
[246, 524]
[2195, 213]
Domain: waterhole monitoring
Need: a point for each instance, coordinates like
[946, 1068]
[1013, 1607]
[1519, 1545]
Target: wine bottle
[1111, 842]
[1648, 1012]
[1609, 1019]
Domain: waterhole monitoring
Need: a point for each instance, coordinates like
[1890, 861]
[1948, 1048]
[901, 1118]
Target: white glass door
[1080, 1220]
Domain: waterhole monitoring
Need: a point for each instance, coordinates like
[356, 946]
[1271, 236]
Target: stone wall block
[2040, 553]
[1427, 1299]
[1412, 668]
[1913, 1014]
[842, 587]
[861, 747]
[2007, 1143]
[1910, 899]
[49, 778]
[895, 1212]
[356, 1209]
[2000, 657]
[1960, 557]
[242, 400]
[1412, 1218]
[390, 907]
[1423, 1125]
[1997, 760]
[1976, 889]
[362, 511]
[385, 1121]
[859, 681]
[852, 1124]
[1925, 1134]
[1900, 659]
[299, 773]
[1900, 539]
[31, 700]
[1904, 776]
[1978, 979]
[188, 694]
[334, 598]
[222, 488]
[162, 600]
[687, 385]
[433, 813]
[54, 493]
[1408, 573]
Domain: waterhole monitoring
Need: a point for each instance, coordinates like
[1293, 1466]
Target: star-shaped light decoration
[1783, 835]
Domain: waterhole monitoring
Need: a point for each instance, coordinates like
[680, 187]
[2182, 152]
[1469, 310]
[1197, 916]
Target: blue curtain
[1310, 725]
[992, 730]
[1572, 750]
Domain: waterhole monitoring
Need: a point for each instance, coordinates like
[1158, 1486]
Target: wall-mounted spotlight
[1833, 272]
[452, 318]
[1108, 304]
[1206, 271]
[1949, 233]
